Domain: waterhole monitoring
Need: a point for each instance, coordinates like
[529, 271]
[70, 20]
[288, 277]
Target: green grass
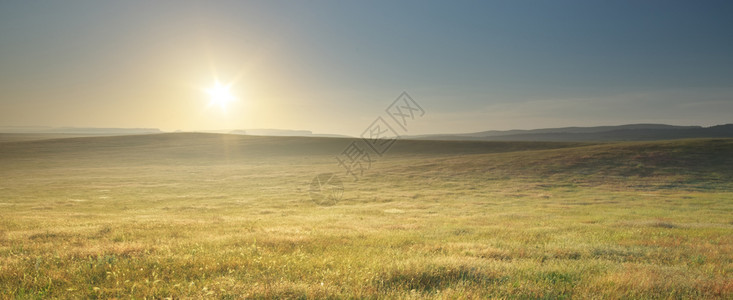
[219, 216]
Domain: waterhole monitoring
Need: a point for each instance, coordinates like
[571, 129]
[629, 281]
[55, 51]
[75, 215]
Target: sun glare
[220, 95]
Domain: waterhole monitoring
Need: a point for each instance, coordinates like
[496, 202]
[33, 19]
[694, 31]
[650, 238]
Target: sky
[335, 66]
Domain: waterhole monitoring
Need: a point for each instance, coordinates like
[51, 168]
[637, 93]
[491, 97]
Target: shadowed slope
[209, 147]
[702, 163]
[705, 161]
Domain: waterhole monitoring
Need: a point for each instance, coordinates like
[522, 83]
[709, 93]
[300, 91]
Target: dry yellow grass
[190, 216]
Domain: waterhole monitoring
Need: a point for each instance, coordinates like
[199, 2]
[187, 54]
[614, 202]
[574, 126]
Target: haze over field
[366, 150]
[229, 216]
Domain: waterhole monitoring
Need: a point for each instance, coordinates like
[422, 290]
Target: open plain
[189, 215]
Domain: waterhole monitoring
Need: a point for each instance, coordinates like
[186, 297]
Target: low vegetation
[221, 216]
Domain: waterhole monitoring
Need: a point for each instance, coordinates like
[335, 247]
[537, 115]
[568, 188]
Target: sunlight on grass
[487, 225]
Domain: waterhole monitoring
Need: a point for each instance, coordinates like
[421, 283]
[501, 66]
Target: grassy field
[224, 216]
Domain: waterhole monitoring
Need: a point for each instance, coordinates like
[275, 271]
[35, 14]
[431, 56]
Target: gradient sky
[334, 66]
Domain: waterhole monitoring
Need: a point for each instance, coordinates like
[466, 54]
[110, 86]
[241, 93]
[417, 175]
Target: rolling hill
[631, 132]
[693, 160]
[634, 132]
[201, 215]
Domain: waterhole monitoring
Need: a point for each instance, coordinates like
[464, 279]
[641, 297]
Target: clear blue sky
[333, 66]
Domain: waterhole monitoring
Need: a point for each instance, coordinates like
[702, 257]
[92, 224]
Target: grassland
[223, 216]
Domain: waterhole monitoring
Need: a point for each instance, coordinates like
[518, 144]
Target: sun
[220, 95]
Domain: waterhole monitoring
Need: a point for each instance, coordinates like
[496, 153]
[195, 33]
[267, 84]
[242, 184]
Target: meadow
[193, 215]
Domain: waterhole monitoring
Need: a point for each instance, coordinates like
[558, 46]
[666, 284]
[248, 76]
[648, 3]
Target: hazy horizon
[259, 131]
[332, 67]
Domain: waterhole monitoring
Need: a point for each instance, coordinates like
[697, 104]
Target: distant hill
[213, 147]
[76, 130]
[21, 133]
[701, 163]
[30, 133]
[632, 132]
[687, 163]
[281, 132]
